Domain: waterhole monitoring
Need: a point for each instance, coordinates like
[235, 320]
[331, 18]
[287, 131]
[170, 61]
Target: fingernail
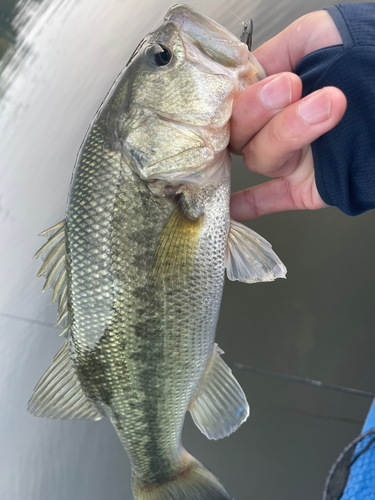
[316, 108]
[277, 93]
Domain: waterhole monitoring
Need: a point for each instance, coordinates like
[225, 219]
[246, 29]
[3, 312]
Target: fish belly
[141, 347]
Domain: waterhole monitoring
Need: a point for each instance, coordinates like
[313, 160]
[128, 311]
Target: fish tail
[194, 482]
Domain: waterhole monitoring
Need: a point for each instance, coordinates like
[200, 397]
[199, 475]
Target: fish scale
[90, 208]
[143, 327]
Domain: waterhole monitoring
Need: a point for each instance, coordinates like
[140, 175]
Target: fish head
[181, 84]
[221, 48]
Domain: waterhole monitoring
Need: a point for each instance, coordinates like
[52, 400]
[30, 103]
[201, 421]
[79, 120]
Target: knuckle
[277, 137]
[250, 203]
[249, 156]
[287, 191]
[283, 139]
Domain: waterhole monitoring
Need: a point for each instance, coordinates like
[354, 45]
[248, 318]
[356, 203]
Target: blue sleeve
[344, 158]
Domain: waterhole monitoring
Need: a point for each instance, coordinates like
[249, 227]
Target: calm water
[58, 59]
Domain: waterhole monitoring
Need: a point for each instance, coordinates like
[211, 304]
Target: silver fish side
[143, 339]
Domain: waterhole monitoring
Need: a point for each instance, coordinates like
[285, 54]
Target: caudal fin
[193, 483]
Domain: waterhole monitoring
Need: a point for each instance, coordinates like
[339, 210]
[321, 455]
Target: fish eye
[163, 57]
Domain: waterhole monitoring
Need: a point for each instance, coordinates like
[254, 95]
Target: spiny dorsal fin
[220, 405]
[174, 253]
[59, 394]
[249, 257]
[53, 254]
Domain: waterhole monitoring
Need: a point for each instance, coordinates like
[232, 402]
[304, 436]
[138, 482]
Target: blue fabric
[360, 483]
[344, 158]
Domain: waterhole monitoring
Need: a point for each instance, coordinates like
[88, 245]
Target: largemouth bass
[137, 266]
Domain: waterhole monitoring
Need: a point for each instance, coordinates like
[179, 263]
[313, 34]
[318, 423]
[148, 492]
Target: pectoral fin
[249, 257]
[220, 406]
[174, 253]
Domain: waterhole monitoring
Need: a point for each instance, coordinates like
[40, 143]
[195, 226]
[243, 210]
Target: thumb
[311, 32]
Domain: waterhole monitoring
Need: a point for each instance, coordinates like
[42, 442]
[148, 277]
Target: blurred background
[58, 59]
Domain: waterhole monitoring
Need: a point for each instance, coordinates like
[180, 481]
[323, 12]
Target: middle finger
[253, 109]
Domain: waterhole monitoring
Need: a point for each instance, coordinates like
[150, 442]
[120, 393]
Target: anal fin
[220, 405]
[59, 394]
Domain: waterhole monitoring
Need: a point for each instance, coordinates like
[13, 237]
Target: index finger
[311, 32]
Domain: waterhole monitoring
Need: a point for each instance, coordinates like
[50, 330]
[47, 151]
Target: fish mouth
[222, 51]
[219, 44]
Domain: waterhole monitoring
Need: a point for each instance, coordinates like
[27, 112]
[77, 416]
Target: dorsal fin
[53, 255]
[59, 394]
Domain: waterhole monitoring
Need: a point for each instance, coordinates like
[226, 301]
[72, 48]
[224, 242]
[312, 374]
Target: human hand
[272, 127]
